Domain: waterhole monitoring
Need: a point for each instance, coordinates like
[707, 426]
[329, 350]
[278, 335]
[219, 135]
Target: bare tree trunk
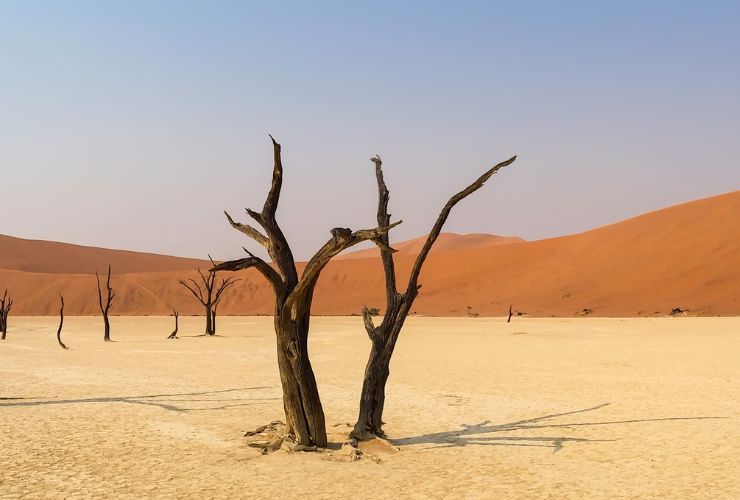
[508, 320]
[209, 321]
[104, 308]
[293, 297]
[173, 335]
[6, 304]
[61, 323]
[372, 399]
[302, 403]
[106, 321]
[383, 337]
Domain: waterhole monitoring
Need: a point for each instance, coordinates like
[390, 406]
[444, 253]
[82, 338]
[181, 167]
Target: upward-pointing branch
[273, 197]
[437, 228]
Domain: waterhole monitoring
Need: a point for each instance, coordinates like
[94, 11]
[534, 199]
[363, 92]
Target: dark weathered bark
[209, 295]
[209, 322]
[6, 304]
[173, 335]
[383, 337]
[61, 323]
[293, 296]
[108, 300]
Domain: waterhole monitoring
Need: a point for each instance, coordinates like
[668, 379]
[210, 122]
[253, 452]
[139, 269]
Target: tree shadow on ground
[479, 434]
[164, 401]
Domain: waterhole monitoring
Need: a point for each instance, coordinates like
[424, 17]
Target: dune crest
[684, 256]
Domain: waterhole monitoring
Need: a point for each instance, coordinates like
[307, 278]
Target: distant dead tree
[6, 304]
[508, 320]
[173, 335]
[209, 295]
[677, 311]
[61, 323]
[293, 296]
[585, 311]
[105, 308]
[384, 336]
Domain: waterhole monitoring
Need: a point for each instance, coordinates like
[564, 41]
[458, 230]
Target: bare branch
[249, 231]
[198, 295]
[442, 218]
[342, 238]
[252, 261]
[383, 242]
[222, 287]
[369, 325]
[273, 197]
[203, 277]
[100, 293]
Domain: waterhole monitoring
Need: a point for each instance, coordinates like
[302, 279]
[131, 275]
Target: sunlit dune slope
[684, 256]
[64, 258]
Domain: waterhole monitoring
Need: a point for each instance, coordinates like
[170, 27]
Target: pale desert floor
[540, 408]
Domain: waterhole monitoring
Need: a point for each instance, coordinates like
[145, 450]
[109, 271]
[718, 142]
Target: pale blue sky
[134, 124]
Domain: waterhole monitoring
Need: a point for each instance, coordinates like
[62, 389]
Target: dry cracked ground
[477, 408]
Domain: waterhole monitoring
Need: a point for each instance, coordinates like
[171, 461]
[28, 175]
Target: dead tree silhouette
[173, 335]
[209, 295]
[384, 336]
[61, 323]
[108, 300]
[293, 297]
[6, 304]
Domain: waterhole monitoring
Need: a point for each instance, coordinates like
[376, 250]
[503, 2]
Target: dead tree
[293, 296]
[6, 304]
[508, 320]
[105, 308]
[61, 323]
[173, 335]
[209, 295]
[384, 336]
[677, 311]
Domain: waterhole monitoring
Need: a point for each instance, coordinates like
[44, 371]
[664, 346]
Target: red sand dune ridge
[684, 256]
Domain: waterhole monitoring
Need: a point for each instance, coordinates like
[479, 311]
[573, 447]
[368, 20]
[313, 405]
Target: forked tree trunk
[383, 337]
[293, 296]
[105, 307]
[208, 294]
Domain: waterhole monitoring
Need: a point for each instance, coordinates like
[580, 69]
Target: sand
[685, 256]
[540, 408]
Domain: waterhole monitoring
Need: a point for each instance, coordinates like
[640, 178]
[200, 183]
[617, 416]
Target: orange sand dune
[64, 258]
[684, 256]
[445, 242]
